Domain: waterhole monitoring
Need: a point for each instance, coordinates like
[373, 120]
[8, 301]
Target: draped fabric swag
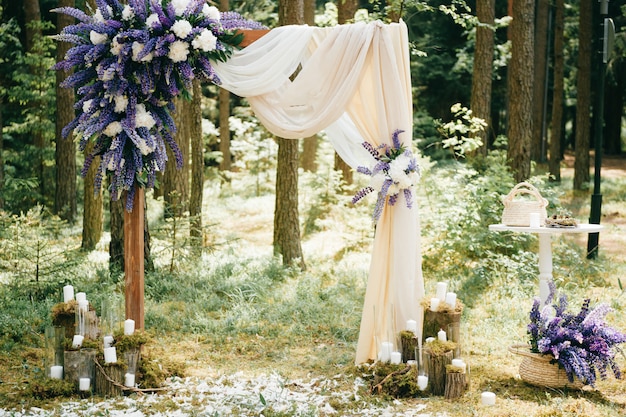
[355, 84]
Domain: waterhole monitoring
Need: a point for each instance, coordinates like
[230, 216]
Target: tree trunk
[32, 13]
[520, 79]
[65, 196]
[583, 94]
[556, 130]
[286, 217]
[92, 206]
[175, 181]
[309, 146]
[116, 247]
[1, 153]
[224, 109]
[483, 69]
[197, 166]
[537, 150]
[345, 13]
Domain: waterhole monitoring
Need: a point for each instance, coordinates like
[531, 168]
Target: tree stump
[110, 379]
[409, 344]
[456, 384]
[440, 319]
[436, 365]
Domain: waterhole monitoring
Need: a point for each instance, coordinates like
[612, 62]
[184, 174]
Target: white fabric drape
[354, 82]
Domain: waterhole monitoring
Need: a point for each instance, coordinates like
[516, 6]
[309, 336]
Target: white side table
[545, 248]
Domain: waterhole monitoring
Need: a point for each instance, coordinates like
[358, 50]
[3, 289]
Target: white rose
[180, 6]
[182, 28]
[205, 41]
[211, 12]
[97, 38]
[152, 20]
[128, 13]
[113, 129]
[178, 51]
[121, 102]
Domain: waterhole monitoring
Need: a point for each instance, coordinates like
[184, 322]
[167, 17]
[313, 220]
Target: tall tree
[197, 165]
[224, 108]
[286, 218]
[176, 181]
[520, 87]
[65, 155]
[345, 13]
[540, 88]
[309, 145]
[583, 94]
[558, 91]
[92, 210]
[483, 68]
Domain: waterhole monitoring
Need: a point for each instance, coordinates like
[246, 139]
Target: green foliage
[460, 134]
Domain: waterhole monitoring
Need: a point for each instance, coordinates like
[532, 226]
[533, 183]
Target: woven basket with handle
[517, 209]
[536, 369]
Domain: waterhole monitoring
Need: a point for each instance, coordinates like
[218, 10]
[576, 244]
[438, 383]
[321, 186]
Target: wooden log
[409, 344]
[437, 320]
[436, 365]
[134, 259]
[456, 384]
[110, 379]
[251, 35]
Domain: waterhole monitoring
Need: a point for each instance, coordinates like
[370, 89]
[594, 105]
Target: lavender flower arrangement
[395, 171]
[130, 61]
[582, 344]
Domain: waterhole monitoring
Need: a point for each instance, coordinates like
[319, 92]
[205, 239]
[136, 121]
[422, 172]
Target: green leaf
[262, 399]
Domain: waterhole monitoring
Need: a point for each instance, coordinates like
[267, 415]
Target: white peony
[178, 51]
[180, 6]
[152, 20]
[113, 129]
[121, 102]
[97, 38]
[143, 118]
[128, 13]
[205, 41]
[87, 106]
[211, 12]
[182, 28]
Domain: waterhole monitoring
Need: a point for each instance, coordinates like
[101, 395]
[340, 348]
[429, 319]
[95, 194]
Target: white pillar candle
[430, 339]
[434, 304]
[396, 358]
[83, 305]
[442, 287]
[81, 296]
[488, 398]
[459, 363]
[441, 335]
[129, 327]
[534, 220]
[107, 341]
[385, 351]
[77, 341]
[68, 293]
[84, 384]
[110, 355]
[422, 382]
[411, 325]
[451, 299]
[129, 379]
[56, 372]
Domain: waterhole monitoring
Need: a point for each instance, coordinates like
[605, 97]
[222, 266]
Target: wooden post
[436, 364]
[134, 259]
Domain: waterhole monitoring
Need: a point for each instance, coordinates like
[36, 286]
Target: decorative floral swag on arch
[132, 60]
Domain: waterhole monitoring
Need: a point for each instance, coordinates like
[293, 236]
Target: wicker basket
[536, 369]
[517, 211]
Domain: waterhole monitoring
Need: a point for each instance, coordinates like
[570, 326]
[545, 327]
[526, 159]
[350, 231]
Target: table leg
[545, 266]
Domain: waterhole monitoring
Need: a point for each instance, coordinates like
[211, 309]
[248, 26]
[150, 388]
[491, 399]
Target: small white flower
[128, 13]
[116, 47]
[211, 12]
[182, 28]
[178, 51]
[152, 20]
[113, 129]
[97, 16]
[205, 41]
[87, 106]
[143, 118]
[180, 6]
[97, 38]
[121, 102]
